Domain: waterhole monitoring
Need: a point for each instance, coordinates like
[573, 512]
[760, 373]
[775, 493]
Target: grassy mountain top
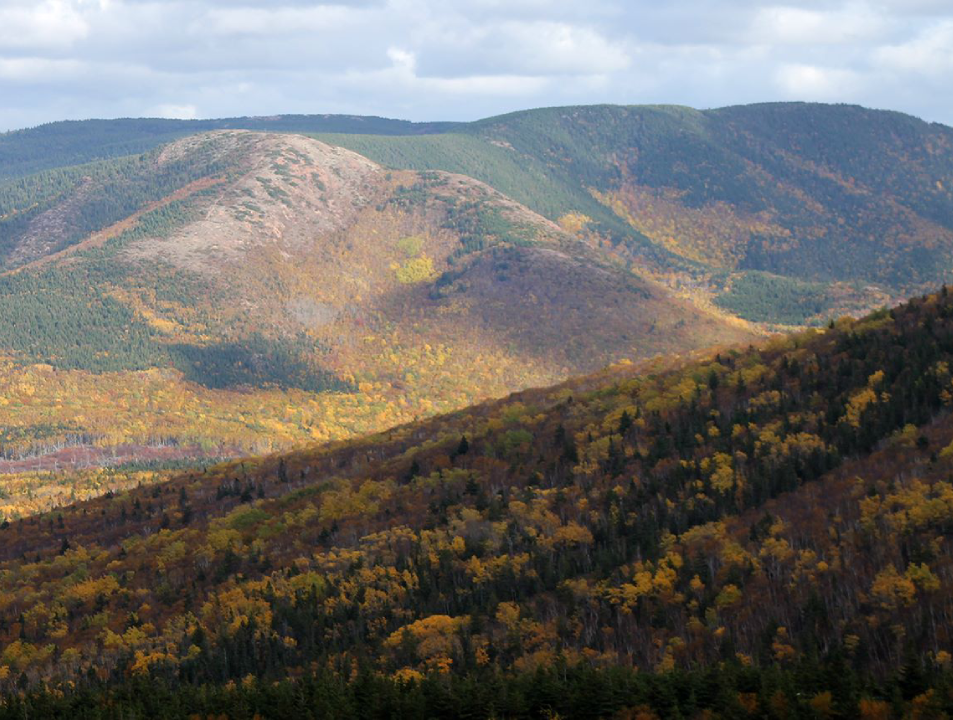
[779, 515]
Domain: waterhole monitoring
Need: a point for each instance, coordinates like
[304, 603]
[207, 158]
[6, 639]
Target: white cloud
[273, 22]
[402, 75]
[810, 82]
[452, 47]
[930, 53]
[916, 8]
[556, 48]
[45, 25]
[786, 25]
[403, 60]
[176, 112]
[38, 70]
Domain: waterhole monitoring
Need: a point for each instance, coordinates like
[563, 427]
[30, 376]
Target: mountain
[237, 291]
[758, 533]
[784, 213]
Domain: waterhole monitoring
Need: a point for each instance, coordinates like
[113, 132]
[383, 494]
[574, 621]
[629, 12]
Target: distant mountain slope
[761, 529]
[61, 144]
[860, 201]
[265, 289]
[811, 190]
[269, 289]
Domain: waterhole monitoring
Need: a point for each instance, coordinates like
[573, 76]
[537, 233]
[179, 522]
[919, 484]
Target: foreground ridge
[764, 532]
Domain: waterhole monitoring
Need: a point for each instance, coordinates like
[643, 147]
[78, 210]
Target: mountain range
[190, 288]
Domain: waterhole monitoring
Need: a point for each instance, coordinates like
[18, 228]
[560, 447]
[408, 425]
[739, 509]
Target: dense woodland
[760, 533]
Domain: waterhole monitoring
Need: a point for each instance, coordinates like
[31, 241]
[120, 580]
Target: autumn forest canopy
[604, 411]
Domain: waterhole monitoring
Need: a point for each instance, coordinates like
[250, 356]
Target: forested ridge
[72, 142]
[761, 533]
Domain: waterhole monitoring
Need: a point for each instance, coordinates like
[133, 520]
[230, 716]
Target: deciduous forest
[760, 533]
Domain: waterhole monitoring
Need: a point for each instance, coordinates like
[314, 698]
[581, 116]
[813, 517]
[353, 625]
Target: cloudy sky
[463, 59]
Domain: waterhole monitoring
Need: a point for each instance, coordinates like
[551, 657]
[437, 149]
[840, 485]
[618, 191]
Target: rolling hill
[759, 533]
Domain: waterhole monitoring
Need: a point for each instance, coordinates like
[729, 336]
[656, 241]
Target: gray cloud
[463, 59]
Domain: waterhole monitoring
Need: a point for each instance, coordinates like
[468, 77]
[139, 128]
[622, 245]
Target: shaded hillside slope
[780, 515]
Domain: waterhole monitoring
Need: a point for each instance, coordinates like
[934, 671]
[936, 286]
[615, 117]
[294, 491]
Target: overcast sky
[463, 59]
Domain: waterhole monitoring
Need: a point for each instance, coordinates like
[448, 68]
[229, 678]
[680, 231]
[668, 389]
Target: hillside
[785, 213]
[762, 533]
[237, 292]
